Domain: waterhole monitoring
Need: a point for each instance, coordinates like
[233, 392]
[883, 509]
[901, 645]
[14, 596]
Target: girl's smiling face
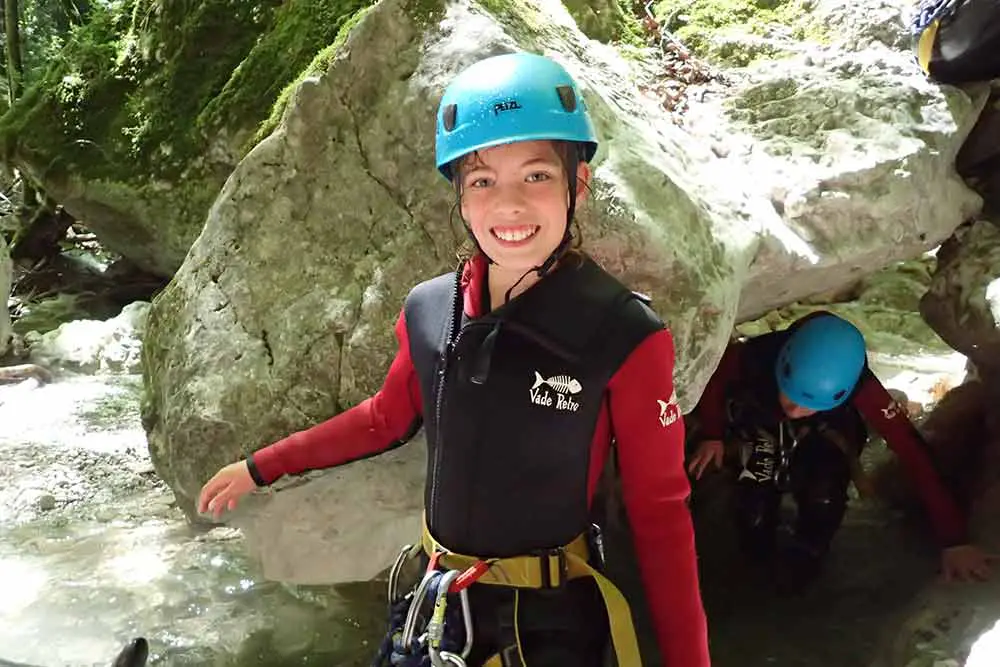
[514, 197]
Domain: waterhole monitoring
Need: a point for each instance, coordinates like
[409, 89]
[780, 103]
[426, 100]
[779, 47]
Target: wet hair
[569, 155]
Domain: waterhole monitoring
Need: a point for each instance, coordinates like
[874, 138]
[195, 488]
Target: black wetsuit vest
[511, 400]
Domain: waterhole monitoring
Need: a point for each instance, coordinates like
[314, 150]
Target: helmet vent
[839, 394]
[450, 114]
[567, 97]
[786, 370]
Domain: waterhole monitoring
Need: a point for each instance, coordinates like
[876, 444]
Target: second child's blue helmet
[821, 362]
[507, 98]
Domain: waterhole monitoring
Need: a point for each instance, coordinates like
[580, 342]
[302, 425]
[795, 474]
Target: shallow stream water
[93, 551]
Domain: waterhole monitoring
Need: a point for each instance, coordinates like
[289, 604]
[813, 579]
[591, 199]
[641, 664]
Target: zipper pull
[484, 356]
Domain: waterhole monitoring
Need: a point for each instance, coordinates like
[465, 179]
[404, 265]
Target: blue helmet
[821, 362]
[508, 98]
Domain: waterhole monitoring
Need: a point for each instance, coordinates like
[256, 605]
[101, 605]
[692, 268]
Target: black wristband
[254, 472]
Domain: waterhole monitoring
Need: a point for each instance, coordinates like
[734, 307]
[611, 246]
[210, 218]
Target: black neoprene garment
[967, 48]
[511, 403]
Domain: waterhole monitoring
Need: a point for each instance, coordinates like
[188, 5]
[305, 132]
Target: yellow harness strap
[925, 46]
[564, 564]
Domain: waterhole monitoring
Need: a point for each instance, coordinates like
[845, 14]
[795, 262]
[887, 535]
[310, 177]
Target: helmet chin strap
[550, 261]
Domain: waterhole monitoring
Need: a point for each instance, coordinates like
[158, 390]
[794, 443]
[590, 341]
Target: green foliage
[44, 27]
[699, 24]
[293, 25]
[139, 91]
[180, 64]
[606, 20]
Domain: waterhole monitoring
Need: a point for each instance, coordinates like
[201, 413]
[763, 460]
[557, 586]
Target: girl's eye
[538, 176]
[479, 183]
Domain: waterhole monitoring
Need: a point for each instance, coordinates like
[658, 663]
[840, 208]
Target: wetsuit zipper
[455, 334]
[449, 346]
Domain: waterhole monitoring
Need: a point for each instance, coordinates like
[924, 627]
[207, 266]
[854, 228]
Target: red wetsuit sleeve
[890, 420]
[711, 408]
[649, 432]
[387, 419]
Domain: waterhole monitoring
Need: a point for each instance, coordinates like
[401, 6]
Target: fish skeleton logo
[669, 410]
[564, 387]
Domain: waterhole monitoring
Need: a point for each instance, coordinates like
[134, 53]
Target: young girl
[524, 366]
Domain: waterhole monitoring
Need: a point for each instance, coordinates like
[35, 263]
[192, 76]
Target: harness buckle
[545, 563]
[596, 543]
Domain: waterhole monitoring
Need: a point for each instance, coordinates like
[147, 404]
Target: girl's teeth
[514, 236]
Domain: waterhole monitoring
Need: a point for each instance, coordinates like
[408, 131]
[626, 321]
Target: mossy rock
[606, 20]
[885, 310]
[718, 29]
[47, 314]
[5, 279]
[150, 105]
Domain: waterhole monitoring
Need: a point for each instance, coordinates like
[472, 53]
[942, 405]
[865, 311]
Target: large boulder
[884, 305]
[850, 144]
[282, 313]
[345, 191]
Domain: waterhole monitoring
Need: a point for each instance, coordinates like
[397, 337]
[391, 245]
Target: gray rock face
[282, 313]
[952, 624]
[382, 502]
[963, 302]
[852, 147]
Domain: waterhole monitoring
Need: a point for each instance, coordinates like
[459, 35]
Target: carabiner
[404, 555]
[452, 659]
[410, 627]
[463, 596]
[436, 628]
[470, 576]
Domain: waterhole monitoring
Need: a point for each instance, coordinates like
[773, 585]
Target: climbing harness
[925, 25]
[418, 639]
[549, 569]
